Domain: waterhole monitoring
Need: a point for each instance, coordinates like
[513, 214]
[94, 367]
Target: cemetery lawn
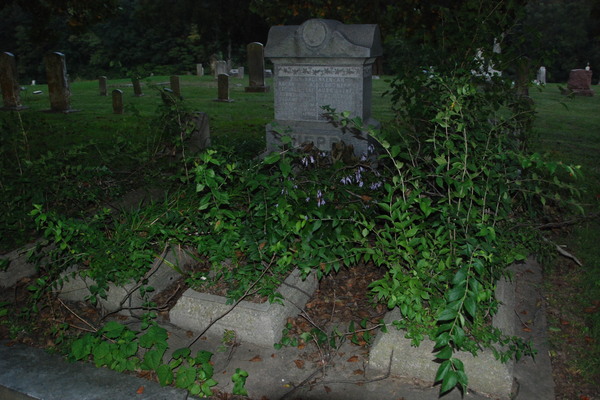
[81, 160]
[569, 130]
[78, 161]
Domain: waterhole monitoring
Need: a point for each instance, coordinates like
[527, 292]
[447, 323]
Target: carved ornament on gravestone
[9, 83]
[322, 63]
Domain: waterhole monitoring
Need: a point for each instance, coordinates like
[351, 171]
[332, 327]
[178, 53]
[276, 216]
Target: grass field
[568, 128]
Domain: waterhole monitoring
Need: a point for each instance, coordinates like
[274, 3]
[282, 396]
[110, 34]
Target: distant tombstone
[223, 88]
[256, 67]
[199, 70]
[200, 136]
[541, 76]
[240, 73]
[58, 83]
[117, 101]
[174, 80]
[102, 85]
[221, 68]
[322, 63]
[580, 82]
[9, 83]
[137, 87]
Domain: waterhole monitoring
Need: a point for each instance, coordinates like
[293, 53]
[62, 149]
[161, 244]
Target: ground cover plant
[435, 210]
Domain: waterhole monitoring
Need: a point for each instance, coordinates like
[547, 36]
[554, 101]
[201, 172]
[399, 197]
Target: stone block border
[486, 374]
[258, 323]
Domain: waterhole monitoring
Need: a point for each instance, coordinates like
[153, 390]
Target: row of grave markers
[60, 92]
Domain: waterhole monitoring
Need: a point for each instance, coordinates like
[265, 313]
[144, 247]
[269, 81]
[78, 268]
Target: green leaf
[183, 352]
[186, 376]
[447, 315]
[442, 370]
[445, 353]
[152, 359]
[471, 306]
[449, 382]
[272, 158]
[164, 374]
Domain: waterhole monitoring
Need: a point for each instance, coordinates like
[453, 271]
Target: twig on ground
[94, 329]
[563, 252]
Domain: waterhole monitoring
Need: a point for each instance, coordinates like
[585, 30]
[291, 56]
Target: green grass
[568, 128]
[240, 123]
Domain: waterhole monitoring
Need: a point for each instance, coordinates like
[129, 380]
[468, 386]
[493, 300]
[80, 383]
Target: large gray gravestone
[256, 67]
[322, 63]
[58, 83]
[102, 86]
[9, 83]
[199, 70]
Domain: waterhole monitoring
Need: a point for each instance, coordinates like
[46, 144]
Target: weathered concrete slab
[76, 288]
[18, 267]
[258, 323]
[30, 373]
[486, 374]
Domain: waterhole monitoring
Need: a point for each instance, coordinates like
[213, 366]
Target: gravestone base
[257, 89]
[322, 134]
[224, 100]
[69, 111]
[18, 108]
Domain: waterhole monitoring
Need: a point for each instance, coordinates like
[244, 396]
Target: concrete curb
[18, 267]
[76, 288]
[28, 373]
[260, 324]
[486, 374]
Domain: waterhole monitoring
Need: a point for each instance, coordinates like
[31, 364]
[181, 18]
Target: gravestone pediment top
[324, 38]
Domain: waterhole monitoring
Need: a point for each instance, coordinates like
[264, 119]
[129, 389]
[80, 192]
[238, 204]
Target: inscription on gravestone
[9, 82]
[322, 63]
[58, 82]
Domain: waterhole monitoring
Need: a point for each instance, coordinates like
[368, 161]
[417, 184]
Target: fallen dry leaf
[358, 372]
[140, 390]
[299, 363]
[256, 358]
[526, 329]
[353, 359]
[327, 389]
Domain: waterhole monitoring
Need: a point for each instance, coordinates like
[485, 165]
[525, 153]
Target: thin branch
[563, 252]
[94, 329]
